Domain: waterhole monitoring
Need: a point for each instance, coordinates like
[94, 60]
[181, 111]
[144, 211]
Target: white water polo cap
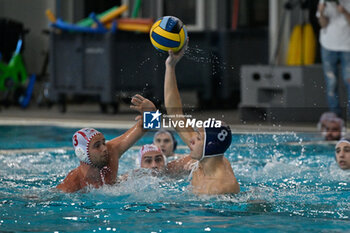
[150, 148]
[81, 140]
[346, 140]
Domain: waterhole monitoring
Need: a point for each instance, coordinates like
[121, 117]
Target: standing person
[99, 159]
[213, 173]
[334, 18]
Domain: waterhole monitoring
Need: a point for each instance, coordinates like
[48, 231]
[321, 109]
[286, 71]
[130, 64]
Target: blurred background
[240, 56]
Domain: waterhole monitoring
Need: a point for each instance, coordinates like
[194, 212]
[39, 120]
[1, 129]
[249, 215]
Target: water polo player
[99, 160]
[331, 126]
[342, 153]
[151, 156]
[166, 141]
[213, 173]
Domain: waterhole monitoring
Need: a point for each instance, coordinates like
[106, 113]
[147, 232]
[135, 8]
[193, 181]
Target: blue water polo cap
[216, 140]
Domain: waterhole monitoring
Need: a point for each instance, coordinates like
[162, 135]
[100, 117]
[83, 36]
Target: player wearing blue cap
[213, 173]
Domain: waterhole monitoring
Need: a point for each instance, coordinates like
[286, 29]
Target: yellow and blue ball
[168, 33]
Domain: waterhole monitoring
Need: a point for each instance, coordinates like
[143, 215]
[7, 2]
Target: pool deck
[89, 115]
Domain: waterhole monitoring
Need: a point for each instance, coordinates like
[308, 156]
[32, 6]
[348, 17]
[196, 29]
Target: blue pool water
[287, 186]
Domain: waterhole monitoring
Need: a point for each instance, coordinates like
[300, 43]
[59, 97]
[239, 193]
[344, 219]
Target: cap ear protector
[174, 140]
[343, 132]
[81, 140]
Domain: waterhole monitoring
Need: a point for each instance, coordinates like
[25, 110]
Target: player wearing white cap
[99, 159]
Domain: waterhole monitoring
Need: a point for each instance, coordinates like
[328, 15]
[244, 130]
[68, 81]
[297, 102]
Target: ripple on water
[281, 184]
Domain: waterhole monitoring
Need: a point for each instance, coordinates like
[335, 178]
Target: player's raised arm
[125, 141]
[172, 97]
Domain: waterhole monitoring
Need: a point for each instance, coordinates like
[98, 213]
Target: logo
[151, 120]
[184, 122]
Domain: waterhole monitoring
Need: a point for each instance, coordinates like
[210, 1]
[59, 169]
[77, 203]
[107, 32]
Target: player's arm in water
[214, 174]
[119, 145]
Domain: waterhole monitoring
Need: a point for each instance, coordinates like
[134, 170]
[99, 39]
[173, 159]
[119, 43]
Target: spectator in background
[334, 18]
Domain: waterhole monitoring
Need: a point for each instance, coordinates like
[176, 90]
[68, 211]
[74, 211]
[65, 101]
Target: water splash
[207, 57]
[305, 186]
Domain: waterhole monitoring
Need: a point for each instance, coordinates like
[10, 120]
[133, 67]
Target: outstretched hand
[141, 104]
[174, 58]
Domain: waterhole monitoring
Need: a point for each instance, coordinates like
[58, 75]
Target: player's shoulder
[74, 177]
[72, 181]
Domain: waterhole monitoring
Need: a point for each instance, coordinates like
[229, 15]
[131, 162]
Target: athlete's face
[333, 131]
[98, 151]
[342, 155]
[153, 160]
[165, 142]
[196, 144]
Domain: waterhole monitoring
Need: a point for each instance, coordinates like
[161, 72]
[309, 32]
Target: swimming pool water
[285, 187]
